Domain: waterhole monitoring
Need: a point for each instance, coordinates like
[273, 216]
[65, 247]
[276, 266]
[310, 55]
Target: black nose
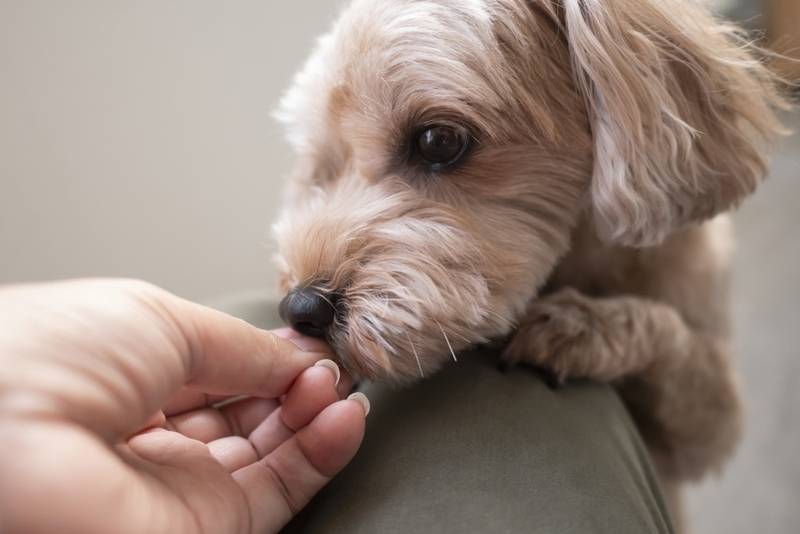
[309, 311]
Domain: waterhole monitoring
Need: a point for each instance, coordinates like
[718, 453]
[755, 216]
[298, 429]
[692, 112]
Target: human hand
[108, 420]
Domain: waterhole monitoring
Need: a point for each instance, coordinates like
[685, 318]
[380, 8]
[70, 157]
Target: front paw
[564, 333]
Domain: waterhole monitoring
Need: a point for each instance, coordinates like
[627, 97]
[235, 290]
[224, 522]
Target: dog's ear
[680, 108]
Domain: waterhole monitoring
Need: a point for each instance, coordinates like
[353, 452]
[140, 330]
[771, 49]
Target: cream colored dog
[552, 170]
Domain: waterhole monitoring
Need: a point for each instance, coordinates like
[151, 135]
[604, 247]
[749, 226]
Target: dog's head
[447, 148]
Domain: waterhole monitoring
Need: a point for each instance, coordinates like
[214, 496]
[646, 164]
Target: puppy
[555, 171]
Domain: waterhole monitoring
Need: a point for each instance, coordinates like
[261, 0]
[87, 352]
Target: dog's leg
[678, 382]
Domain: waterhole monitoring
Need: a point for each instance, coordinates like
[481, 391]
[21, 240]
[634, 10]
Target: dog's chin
[390, 351]
[366, 367]
[367, 359]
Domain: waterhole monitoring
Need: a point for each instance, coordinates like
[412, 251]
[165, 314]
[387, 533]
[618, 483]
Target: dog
[553, 172]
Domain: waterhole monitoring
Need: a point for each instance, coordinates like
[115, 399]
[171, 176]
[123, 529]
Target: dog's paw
[565, 334]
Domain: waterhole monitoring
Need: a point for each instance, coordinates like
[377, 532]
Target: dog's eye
[442, 146]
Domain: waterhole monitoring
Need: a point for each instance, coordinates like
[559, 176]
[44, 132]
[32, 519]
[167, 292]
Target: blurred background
[136, 137]
[136, 140]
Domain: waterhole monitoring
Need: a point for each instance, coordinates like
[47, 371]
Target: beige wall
[135, 137]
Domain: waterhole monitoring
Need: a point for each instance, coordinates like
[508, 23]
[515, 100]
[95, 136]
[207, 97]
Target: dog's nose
[309, 311]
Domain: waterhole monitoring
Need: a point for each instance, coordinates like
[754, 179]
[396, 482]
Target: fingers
[191, 398]
[157, 420]
[317, 435]
[188, 399]
[313, 391]
[223, 355]
[233, 452]
[227, 356]
[236, 419]
[280, 484]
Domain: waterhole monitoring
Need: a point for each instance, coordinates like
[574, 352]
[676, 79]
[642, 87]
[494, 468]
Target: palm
[189, 492]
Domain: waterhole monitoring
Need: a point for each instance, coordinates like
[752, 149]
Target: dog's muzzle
[310, 311]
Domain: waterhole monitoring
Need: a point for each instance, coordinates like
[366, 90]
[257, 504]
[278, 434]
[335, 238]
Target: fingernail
[362, 400]
[330, 364]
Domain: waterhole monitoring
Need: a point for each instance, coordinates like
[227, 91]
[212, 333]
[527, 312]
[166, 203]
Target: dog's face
[448, 148]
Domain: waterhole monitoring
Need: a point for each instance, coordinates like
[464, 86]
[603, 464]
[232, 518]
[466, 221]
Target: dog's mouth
[392, 344]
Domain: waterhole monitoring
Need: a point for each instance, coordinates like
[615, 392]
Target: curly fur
[609, 134]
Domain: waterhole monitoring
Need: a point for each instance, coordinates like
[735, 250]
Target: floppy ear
[680, 108]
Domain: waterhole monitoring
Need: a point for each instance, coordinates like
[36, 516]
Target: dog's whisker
[449, 346]
[507, 321]
[416, 356]
[465, 340]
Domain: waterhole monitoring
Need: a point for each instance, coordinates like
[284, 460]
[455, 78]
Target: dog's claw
[504, 366]
[553, 379]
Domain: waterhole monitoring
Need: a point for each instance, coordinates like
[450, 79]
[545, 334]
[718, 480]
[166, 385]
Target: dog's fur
[609, 136]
